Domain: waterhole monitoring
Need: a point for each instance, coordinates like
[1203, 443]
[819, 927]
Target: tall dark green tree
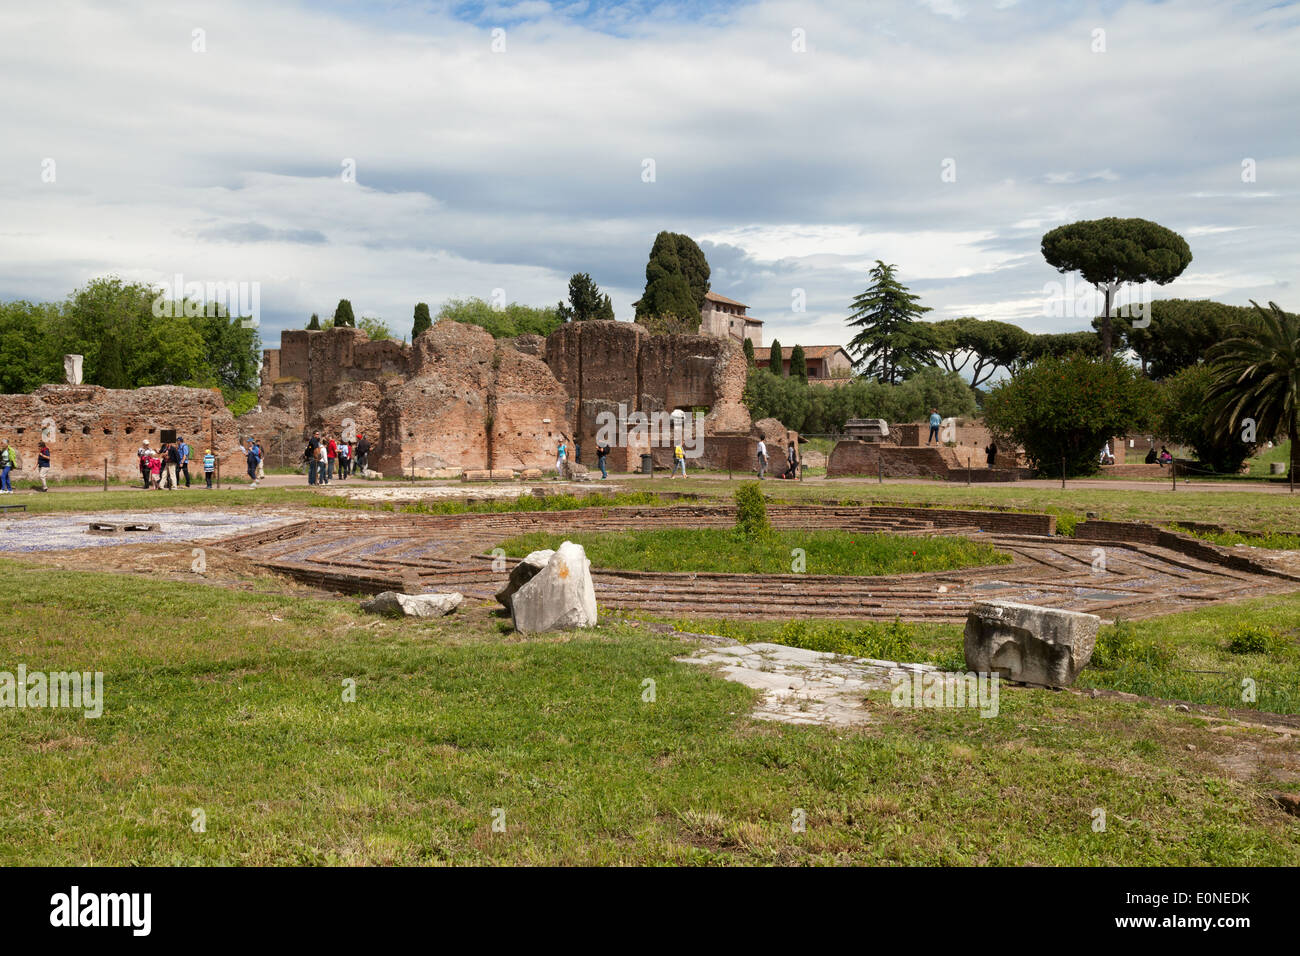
[314, 324]
[586, 301]
[891, 343]
[421, 322]
[1110, 252]
[1181, 332]
[343, 317]
[798, 363]
[748, 348]
[676, 279]
[776, 359]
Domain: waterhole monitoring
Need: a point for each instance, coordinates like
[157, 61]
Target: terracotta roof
[714, 297]
[809, 351]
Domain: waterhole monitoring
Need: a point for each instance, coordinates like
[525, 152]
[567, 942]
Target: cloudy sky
[506, 146]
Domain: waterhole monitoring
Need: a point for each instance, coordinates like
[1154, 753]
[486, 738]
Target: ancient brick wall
[88, 424]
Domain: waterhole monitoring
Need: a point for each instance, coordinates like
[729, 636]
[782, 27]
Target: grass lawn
[722, 550]
[232, 703]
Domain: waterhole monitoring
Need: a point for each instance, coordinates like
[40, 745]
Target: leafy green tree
[1186, 415]
[676, 279]
[748, 348]
[891, 344]
[989, 344]
[776, 358]
[1063, 410]
[173, 353]
[314, 324]
[1181, 332]
[1058, 345]
[343, 317]
[508, 322]
[1110, 252]
[29, 351]
[376, 329]
[798, 363]
[421, 322]
[1256, 383]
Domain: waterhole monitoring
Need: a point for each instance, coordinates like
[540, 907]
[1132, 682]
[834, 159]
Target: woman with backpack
[8, 462]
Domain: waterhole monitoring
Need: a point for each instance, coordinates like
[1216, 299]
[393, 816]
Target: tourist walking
[322, 463]
[172, 461]
[679, 461]
[183, 465]
[935, 421]
[43, 464]
[560, 453]
[8, 462]
[209, 466]
[261, 460]
[791, 461]
[155, 471]
[602, 452]
[762, 459]
[345, 459]
[144, 454]
[991, 453]
[313, 459]
[363, 450]
[253, 459]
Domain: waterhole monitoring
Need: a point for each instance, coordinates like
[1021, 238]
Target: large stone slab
[1029, 644]
[396, 604]
[560, 597]
[523, 572]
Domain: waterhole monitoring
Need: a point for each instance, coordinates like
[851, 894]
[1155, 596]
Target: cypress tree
[677, 278]
[748, 347]
[422, 322]
[343, 317]
[798, 363]
[776, 362]
[314, 324]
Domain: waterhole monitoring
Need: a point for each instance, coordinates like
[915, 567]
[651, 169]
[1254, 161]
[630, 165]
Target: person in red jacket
[332, 449]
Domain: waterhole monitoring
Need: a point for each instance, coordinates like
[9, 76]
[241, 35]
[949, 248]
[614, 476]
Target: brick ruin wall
[86, 425]
[454, 399]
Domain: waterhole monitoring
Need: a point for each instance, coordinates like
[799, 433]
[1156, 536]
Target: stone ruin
[88, 425]
[872, 447]
[457, 400]
[454, 400]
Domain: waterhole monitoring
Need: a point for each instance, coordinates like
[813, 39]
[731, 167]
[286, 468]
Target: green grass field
[232, 703]
[725, 551]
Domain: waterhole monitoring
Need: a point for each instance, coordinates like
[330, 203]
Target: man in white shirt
[762, 459]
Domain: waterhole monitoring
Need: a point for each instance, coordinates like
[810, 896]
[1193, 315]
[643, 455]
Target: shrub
[751, 510]
[1246, 638]
[1119, 644]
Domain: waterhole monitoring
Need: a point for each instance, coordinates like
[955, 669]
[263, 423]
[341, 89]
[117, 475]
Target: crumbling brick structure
[456, 399]
[88, 425]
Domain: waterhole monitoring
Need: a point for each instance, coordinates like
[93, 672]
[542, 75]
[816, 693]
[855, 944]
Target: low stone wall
[1136, 532]
[870, 459]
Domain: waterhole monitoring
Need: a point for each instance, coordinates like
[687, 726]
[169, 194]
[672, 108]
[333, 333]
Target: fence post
[1173, 474]
[1062, 471]
[968, 471]
[106, 474]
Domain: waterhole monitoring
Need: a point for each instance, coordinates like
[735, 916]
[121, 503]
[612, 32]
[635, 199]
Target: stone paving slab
[65, 531]
[801, 686]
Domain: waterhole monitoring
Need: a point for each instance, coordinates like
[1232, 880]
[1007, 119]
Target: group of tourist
[328, 457]
[10, 461]
[165, 466]
[791, 470]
